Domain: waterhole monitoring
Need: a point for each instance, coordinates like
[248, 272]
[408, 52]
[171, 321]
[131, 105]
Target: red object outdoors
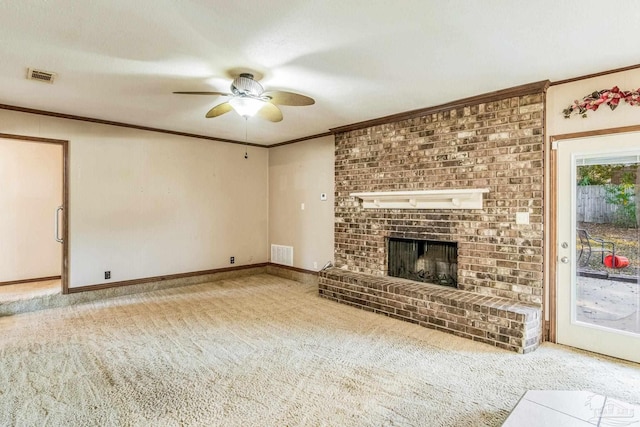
[620, 261]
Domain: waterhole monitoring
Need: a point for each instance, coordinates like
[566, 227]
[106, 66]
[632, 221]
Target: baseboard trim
[300, 275]
[546, 329]
[132, 282]
[296, 269]
[37, 279]
[163, 278]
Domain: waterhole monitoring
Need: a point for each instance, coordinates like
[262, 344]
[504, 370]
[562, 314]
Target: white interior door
[598, 294]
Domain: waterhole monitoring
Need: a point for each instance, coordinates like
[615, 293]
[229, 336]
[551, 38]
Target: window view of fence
[606, 210]
[606, 204]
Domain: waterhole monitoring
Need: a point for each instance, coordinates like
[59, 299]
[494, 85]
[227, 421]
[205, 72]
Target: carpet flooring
[266, 351]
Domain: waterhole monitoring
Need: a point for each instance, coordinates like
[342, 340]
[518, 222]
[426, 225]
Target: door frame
[65, 198]
[553, 210]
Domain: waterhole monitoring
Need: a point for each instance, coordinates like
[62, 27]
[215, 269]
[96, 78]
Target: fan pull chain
[246, 142]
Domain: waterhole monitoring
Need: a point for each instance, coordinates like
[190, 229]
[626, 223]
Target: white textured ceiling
[120, 60]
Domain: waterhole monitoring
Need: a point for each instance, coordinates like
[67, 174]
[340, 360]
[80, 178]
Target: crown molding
[120, 124]
[590, 76]
[304, 138]
[522, 90]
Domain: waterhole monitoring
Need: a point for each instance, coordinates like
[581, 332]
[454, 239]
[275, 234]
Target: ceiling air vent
[41, 76]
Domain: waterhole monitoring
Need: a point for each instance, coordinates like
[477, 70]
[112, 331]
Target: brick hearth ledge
[492, 320]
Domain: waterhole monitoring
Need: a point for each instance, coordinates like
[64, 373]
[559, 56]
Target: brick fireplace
[494, 142]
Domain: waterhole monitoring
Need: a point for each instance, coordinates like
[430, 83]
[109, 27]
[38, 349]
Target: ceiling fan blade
[288, 98]
[270, 112]
[203, 93]
[219, 110]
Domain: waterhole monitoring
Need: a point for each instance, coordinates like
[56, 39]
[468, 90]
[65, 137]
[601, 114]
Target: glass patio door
[598, 286]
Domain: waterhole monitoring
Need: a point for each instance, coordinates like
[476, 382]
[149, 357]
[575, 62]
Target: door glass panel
[607, 289]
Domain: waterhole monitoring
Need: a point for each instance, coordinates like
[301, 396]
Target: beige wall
[30, 192]
[298, 174]
[145, 204]
[561, 96]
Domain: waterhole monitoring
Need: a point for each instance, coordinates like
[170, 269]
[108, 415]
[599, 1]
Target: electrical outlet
[232, 260]
[107, 275]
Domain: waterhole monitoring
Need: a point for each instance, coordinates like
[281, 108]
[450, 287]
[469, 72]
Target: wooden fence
[592, 205]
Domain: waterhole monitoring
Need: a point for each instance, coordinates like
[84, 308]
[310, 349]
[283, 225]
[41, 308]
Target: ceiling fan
[248, 98]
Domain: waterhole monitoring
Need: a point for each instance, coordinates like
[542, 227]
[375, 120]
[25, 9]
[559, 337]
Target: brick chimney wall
[496, 145]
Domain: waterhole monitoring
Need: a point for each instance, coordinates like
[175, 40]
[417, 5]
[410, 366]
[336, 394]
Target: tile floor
[571, 408]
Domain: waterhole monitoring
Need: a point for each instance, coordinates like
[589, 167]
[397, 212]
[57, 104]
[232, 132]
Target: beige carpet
[265, 351]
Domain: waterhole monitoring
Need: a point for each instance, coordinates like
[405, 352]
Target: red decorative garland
[610, 97]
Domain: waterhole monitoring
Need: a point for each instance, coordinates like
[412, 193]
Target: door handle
[57, 224]
[564, 260]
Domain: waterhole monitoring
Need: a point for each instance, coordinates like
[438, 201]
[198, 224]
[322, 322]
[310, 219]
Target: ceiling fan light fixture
[248, 98]
[244, 84]
[246, 106]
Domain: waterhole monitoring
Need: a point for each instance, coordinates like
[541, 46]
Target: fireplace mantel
[468, 198]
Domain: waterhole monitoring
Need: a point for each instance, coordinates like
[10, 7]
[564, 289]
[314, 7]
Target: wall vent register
[282, 255]
[41, 76]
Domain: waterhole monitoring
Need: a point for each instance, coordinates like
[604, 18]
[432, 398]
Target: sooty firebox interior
[428, 261]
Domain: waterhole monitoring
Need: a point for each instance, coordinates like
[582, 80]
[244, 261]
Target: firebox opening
[428, 261]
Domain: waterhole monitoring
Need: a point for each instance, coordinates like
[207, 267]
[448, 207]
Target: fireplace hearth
[428, 261]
